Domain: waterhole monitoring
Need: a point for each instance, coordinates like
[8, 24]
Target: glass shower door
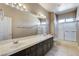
[70, 31]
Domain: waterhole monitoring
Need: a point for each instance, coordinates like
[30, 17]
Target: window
[43, 23]
[61, 21]
[69, 19]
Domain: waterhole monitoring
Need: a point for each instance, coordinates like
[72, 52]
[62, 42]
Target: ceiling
[36, 8]
[59, 8]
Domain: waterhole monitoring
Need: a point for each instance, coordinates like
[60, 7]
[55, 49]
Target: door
[61, 31]
[6, 28]
[67, 31]
[70, 31]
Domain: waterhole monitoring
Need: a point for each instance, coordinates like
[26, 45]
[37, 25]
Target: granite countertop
[8, 47]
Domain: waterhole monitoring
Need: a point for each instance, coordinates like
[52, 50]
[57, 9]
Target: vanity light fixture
[13, 5]
[24, 6]
[7, 3]
[40, 15]
[18, 6]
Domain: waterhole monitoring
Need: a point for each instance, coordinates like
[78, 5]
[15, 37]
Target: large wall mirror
[16, 24]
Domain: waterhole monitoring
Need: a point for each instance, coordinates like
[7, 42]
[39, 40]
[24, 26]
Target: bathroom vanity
[36, 45]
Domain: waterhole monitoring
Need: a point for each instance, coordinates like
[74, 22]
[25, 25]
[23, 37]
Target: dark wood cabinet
[48, 45]
[45, 48]
[20, 53]
[51, 42]
[39, 49]
[33, 50]
[27, 51]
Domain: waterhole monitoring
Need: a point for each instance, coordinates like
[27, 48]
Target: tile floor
[63, 49]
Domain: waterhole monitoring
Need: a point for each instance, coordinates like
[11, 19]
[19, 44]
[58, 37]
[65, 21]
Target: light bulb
[24, 6]
[13, 5]
[20, 4]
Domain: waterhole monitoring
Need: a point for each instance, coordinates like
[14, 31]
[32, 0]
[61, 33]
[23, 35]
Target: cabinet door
[51, 42]
[20, 53]
[61, 31]
[40, 49]
[45, 49]
[33, 50]
[28, 52]
[48, 45]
